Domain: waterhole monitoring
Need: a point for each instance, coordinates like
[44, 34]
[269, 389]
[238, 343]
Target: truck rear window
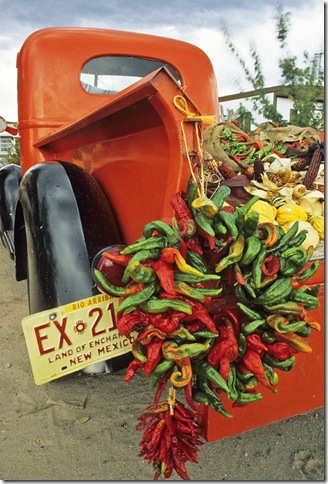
[111, 74]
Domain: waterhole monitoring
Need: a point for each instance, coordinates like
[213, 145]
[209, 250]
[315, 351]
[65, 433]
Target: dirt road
[82, 427]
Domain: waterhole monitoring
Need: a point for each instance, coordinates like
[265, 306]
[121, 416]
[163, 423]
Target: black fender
[64, 219]
[10, 177]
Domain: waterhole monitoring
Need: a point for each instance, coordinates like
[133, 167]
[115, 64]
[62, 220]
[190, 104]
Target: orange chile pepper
[119, 259]
[146, 336]
[295, 341]
[271, 233]
[181, 378]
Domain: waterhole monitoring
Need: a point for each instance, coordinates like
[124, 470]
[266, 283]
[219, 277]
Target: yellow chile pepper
[234, 255]
[171, 255]
[299, 344]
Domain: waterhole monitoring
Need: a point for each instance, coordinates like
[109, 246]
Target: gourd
[312, 238]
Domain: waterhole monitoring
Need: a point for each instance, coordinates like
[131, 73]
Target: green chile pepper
[292, 260]
[229, 220]
[286, 238]
[140, 273]
[252, 248]
[162, 227]
[204, 223]
[220, 195]
[140, 256]
[155, 305]
[245, 398]
[268, 337]
[137, 298]
[250, 313]
[280, 289]
[242, 345]
[159, 371]
[285, 365]
[196, 261]
[150, 243]
[290, 308]
[116, 290]
[251, 224]
[192, 279]
[214, 401]
[251, 327]
[232, 378]
[203, 368]
[256, 267]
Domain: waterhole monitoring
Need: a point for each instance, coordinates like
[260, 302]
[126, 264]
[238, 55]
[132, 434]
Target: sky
[249, 23]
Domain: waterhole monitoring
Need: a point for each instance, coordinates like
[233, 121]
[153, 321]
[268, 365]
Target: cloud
[192, 21]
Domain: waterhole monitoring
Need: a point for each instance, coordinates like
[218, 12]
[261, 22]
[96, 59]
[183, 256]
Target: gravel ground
[82, 427]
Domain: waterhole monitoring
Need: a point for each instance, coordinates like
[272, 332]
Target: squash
[290, 212]
[318, 223]
[267, 212]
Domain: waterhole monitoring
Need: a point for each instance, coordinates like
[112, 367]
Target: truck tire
[10, 177]
[67, 220]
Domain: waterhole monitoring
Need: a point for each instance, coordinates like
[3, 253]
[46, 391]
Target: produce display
[215, 301]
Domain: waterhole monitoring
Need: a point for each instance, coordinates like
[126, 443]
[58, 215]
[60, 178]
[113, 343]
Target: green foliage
[14, 153]
[303, 84]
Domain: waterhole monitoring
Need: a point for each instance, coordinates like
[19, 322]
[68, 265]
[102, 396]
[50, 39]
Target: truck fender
[10, 177]
[64, 219]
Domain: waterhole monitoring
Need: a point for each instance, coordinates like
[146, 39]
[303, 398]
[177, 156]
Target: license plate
[69, 338]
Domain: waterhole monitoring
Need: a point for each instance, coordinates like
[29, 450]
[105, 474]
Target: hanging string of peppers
[219, 304]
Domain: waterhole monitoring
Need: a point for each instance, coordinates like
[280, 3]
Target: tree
[303, 84]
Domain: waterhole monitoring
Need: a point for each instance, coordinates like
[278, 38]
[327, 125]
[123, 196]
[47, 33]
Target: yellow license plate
[71, 337]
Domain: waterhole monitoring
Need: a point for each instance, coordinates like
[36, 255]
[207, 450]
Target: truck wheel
[67, 220]
[10, 177]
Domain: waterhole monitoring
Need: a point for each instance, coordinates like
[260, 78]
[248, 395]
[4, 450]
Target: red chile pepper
[280, 350]
[210, 239]
[229, 318]
[270, 265]
[166, 322]
[132, 369]
[255, 343]
[161, 387]
[199, 313]
[253, 363]
[180, 207]
[165, 274]
[126, 323]
[224, 352]
[154, 356]
[194, 244]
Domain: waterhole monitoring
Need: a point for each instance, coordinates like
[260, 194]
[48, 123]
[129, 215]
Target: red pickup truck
[101, 147]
